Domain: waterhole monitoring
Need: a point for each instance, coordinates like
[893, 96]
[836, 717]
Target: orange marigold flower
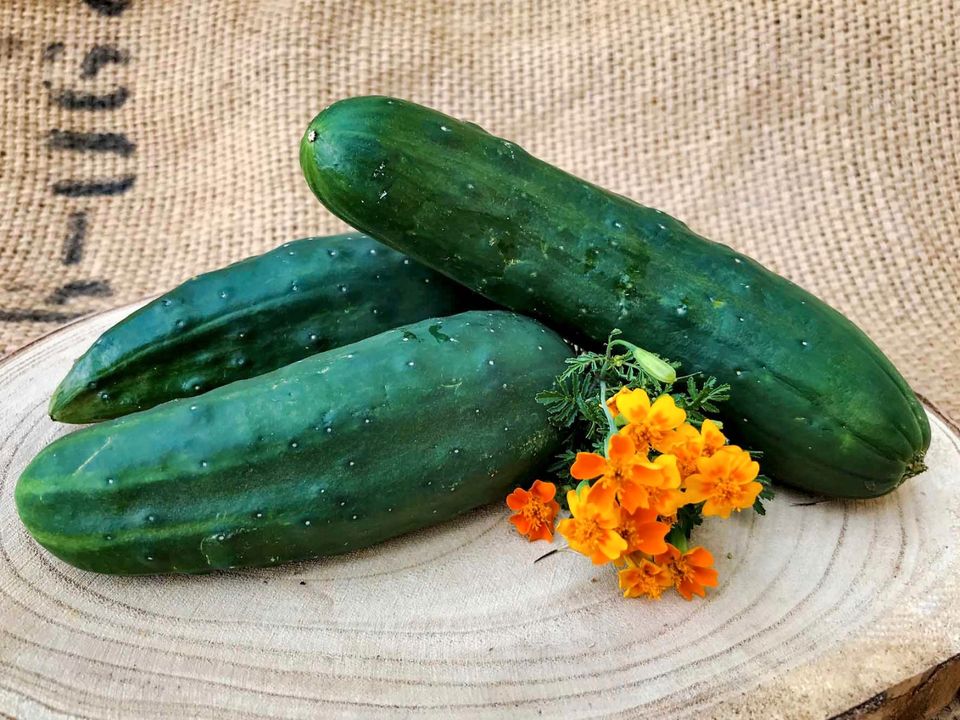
[615, 471]
[691, 571]
[649, 424]
[654, 484]
[644, 579]
[535, 510]
[642, 531]
[592, 530]
[689, 445]
[726, 481]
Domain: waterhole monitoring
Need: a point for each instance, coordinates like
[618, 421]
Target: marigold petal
[634, 405]
[665, 414]
[698, 489]
[518, 499]
[699, 556]
[668, 465]
[713, 508]
[705, 576]
[687, 589]
[610, 546]
[600, 501]
[634, 496]
[669, 556]
[542, 532]
[621, 448]
[588, 465]
[649, 537]
[522, 523]
[667, 501]
[748, 494]
[543, 491]
[713, 439]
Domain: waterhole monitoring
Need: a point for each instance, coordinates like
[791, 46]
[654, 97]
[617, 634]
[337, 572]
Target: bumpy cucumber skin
[828, 409]
[332, 453]
[250, 318]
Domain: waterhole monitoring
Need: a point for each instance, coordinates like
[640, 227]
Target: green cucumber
[330, 454]
[250, 318]
[829, 411]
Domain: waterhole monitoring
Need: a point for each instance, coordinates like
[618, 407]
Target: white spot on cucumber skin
[306, 523]
[312, 136]
[223, 294]
[104, 396]
[110, 481]
[406, 261]
[295, 288]
[180, 323]
[444, 128]
[167, 302]
[294, 445]
[410, 363]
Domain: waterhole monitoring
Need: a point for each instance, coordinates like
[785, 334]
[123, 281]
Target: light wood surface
[821, 608]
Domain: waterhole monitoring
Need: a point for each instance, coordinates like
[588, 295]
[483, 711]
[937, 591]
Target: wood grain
[821, 608]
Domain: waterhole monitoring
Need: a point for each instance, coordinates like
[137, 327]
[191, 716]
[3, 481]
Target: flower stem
[606, 411]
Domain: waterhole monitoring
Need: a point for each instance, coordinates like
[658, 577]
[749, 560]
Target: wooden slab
[822, 607]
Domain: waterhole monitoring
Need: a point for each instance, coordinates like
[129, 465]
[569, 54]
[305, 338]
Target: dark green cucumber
[332, 453]
[828, 409]
[250, 318]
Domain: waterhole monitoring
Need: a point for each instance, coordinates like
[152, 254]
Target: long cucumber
[329, 454]
[252, 317]
[829, 411]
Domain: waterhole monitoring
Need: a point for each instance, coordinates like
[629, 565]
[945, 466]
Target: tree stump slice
[824, 608]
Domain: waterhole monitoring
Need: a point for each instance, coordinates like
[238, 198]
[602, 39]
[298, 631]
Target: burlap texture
[819, 137]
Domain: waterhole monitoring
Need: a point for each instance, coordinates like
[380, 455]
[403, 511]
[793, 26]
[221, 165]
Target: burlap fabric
[142, 142]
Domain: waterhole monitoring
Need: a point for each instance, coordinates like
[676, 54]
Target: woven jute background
[143, 142]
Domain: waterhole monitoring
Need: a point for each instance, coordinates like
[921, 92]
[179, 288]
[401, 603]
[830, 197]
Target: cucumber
[250, 318]
[827, 408]
[329, 454]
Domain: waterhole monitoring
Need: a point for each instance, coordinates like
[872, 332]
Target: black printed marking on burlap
[91, 141]
[110, 8]
[100, 55]
[91, 188]
[17, 315]
[72, 100]
[84, 288]
[76, 234]
[53, 51]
